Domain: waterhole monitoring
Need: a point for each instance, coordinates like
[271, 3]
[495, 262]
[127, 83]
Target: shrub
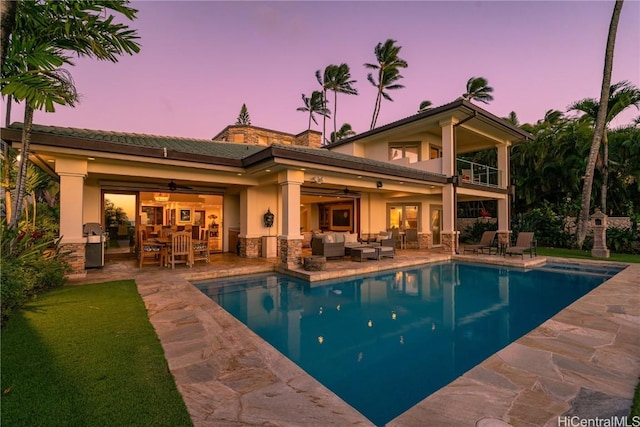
[13, 283]
[623, 240]
[547, 226]
[473, 233]
[26, 268]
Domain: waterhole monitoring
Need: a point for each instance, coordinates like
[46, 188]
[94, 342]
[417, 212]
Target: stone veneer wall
[74, 255]
[570, 223]
[449, 241]
[309, 138]
[291, 252]
[250, 247]
[424, 240]
[260, 136]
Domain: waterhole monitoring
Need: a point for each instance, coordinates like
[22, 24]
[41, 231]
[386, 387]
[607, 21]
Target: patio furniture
[364, 253]
[486, 242]
[524, 243]
[326, 245]
[180, 250]
[384, 238]
[200, 250]
[385, 251]
[411, 237]
[151, 253]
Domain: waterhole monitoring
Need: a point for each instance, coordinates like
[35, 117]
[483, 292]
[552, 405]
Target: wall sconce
[379, 184]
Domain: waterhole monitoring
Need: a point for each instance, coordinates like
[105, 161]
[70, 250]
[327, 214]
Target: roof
[134, 143]
[457, 104]
[204, 151]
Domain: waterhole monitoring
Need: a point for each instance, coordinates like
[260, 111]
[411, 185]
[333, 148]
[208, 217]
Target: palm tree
[314, 105]
[424, 106]
[345, 132]
[388, 66]
[622, 95]
[478, 89]
[338, 79]
[43, 36]
[583, 219]
[513, 118]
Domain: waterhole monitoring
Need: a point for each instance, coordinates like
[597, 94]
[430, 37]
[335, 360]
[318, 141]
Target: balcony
[469, 172]
[475, 173]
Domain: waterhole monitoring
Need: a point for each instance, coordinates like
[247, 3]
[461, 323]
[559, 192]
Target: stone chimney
[309, 138]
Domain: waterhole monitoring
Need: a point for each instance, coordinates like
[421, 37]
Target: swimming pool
[385, 342]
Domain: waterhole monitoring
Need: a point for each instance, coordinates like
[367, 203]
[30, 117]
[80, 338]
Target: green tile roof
[203, 147]
[233, 151]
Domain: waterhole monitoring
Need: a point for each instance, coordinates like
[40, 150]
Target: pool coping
[228, 376]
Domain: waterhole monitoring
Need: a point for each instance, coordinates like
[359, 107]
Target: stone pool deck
[585, 361]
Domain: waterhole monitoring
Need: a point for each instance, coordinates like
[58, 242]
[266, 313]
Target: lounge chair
[525, 243]
[486, 242]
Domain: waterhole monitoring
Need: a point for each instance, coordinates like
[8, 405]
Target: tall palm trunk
[335, 111]
[324, 117]
[22, 170]
[605, 171]
[6, 170]
[583, 219]
[376, 108]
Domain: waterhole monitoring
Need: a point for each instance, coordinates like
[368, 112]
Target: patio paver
[228, 376]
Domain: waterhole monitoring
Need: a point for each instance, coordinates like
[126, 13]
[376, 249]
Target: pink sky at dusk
[201, 60]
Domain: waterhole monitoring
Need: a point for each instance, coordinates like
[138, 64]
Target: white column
[72, 174]
[503, 165]
[448, 208]
[290, 182]
[448, 152]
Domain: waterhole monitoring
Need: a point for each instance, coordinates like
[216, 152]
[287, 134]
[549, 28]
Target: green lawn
[87, 356]
[575, 253]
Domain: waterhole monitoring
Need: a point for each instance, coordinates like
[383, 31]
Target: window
[406, 150]
[434, 152]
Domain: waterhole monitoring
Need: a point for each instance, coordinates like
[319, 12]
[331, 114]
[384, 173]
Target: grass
[576, 253]
[635, 406]
[87, 355]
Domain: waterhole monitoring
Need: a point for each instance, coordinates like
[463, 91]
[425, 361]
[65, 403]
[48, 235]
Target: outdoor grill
[94, 250]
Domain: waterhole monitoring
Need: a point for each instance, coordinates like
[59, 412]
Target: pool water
[385, 342]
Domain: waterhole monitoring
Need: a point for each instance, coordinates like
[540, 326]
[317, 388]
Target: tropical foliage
[478, 89]
[337, 78]
[388, 73]
[31, 264]
[314, 105]
[243, 117]
[599, 128]
[345, 131]
[40, 40]
[622, 95]
[424, 106]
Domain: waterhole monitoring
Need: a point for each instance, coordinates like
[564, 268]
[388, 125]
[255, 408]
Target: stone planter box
[315, 263]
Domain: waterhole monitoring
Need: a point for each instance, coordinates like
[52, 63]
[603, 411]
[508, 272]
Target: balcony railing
[475, 173]
[469, 172]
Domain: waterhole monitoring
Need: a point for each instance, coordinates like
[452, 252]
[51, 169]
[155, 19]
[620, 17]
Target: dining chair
[181, 250]
[201, 248]
[151, 253]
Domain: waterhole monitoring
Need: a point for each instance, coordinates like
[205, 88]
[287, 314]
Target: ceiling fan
[173, 186]
[346, 192]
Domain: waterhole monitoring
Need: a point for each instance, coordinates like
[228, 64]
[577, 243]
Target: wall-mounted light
[379, 184]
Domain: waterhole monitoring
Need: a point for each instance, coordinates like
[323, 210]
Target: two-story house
[405, 174]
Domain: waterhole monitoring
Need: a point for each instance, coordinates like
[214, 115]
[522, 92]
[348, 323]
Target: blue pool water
[383, 343]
